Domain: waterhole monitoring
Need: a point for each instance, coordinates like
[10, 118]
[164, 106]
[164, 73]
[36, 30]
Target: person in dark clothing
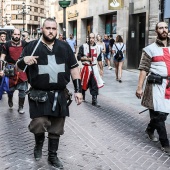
[11, 52]
[48, 72]
[2, 39]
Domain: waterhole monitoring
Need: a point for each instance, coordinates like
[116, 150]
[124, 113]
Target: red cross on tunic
[93, 53]
[165, 58]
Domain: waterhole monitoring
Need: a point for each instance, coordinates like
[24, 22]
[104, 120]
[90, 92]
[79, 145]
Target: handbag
[154, 79]
[37, 95]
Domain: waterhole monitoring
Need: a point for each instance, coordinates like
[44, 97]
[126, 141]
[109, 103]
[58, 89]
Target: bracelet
[77, 86]
[21, 64]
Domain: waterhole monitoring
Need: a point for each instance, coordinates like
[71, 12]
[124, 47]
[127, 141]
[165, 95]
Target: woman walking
[101, 45]
[118, 46]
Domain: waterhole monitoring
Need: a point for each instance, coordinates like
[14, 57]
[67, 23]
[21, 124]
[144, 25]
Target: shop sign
[72, 15]
[115, 4]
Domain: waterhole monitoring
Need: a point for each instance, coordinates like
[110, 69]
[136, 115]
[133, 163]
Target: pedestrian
[72, 42]
[11, 52]
[101, 45]
[119, 46]
[90, 76]
[2, 39]
[25, 36]
[61, 37]
[156, 97]
[48, 72]
[107, 52]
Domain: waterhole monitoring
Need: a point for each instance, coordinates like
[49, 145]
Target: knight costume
[156, 60]
[90, 76]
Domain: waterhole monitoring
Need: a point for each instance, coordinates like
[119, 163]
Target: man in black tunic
[49, 70]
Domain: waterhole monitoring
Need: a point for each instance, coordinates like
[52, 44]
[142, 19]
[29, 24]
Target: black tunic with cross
[51, 73]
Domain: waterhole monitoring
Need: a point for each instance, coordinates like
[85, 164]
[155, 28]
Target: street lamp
[24, 12]
[64, 4]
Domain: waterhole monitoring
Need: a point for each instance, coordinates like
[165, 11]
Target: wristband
[77, 86]
[21, 64]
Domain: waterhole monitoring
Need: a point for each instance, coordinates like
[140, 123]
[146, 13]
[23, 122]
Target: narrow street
[111, 137]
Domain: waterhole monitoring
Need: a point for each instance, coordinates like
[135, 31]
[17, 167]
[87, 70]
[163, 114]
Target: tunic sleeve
[145, 62]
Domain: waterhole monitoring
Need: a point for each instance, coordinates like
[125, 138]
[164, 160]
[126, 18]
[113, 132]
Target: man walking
[90, 74]
[155, 61]
[71, 41]
[48, 73]
[11, 52]
[2, 39]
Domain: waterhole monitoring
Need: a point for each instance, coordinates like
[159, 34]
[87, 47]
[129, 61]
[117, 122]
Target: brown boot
[21, 105]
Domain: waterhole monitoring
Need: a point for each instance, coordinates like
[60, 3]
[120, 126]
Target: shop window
[111, 24]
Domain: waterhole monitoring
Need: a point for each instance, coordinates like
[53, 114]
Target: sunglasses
[23, 35]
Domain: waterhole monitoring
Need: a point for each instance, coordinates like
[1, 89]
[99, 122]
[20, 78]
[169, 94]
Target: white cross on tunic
[52, 68]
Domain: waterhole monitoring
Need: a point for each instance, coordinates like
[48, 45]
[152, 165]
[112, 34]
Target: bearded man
[155, 63]
[11, 52]
[48, 73]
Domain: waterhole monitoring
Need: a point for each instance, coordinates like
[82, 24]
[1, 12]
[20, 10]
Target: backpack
[119, 54]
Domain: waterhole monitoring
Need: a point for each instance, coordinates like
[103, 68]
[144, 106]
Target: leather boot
[52, 153]
[21, 105]
[39, 140]
[83, 93]
[10, 101]
[94, 101]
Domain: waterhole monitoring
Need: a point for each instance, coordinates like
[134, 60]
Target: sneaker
[110, 68]
[166, 149]
[151, 136]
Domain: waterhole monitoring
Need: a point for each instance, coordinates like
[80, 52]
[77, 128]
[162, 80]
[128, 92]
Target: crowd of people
[47, 63]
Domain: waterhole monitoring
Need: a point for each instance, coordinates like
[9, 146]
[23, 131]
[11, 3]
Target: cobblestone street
[111, 137]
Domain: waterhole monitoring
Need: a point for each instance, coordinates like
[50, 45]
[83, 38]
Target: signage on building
[72, 15]
[115, 4]
[166, 10]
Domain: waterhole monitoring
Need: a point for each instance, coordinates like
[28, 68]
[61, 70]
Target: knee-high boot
[10, 100]
[52, 153]
[39, 140]
[94, 101]
[21, 105]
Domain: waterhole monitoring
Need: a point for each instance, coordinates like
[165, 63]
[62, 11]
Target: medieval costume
[156, 60]
[17, 80]
[90, 76]
[48, 95]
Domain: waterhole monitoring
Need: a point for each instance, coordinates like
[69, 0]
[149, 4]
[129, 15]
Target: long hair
[119, 39]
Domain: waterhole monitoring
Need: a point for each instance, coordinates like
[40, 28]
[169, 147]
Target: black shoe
[151, 136]
[166, 149]
[120, 81]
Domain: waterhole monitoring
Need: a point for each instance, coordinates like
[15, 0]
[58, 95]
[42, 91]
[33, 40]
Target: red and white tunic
[160, 64]
[90, 67]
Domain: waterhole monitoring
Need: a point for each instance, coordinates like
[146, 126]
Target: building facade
[134, 20]
[24, 14]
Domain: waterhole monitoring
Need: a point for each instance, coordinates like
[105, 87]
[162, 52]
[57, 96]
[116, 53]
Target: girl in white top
[119, 64]
[101, 45]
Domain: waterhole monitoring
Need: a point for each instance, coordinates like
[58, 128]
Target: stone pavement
[108, 138]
